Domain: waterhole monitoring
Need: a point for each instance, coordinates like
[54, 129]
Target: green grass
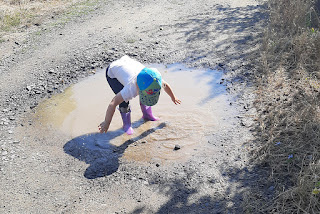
[75, 10]
[9, 21]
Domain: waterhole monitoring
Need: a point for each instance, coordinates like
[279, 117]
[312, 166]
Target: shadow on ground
[184, 198]
[95, 149]
[239, 31]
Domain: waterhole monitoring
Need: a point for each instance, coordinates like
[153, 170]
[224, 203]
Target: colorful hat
[149, 82]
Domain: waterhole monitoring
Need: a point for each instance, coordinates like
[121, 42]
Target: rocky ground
[36, 177]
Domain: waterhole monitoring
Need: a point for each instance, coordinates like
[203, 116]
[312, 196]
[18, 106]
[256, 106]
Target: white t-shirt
[126, 70]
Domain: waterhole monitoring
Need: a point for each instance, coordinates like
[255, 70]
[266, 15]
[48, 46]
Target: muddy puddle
[81, 108]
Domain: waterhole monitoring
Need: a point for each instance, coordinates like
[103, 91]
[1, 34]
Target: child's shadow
[95, 149]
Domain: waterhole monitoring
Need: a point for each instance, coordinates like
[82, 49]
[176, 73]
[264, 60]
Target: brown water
[81, 108]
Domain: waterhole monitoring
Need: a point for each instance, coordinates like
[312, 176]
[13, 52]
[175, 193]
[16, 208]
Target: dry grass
[19, 15]
[288, 98]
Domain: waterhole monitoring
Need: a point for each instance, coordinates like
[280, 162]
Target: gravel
[37, 176]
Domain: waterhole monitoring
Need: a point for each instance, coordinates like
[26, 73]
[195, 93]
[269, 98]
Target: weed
[9, 21]
[288, 96]
[29, 12]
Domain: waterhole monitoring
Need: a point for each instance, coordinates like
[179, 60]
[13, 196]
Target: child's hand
[103, 128]
[176, 101]
[168, 90]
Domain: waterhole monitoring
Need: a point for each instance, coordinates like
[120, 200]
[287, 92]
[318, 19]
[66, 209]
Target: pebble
[10, 132]
[51, 71]
[176, 147]
[271, 188]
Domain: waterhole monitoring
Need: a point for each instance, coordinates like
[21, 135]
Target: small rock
[51, 71]
[220, 64]
[176, 147]
[10, 132]
[271, 188]
[157, 165]
[242, 123]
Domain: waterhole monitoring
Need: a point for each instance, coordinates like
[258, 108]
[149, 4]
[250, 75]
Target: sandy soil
[41, 170]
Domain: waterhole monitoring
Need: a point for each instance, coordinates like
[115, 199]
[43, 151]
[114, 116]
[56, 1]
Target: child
[128, 78]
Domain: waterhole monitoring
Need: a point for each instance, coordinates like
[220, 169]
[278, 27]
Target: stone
[176, 147]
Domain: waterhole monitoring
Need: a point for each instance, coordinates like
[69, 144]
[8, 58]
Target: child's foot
[147, 113]
[128, 130]
[126, 119]
[150, 117]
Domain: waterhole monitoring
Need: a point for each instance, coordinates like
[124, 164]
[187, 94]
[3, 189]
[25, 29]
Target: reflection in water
[56, 109]
[82, 107]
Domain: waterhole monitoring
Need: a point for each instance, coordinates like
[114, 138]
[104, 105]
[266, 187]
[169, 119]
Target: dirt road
[44, 171]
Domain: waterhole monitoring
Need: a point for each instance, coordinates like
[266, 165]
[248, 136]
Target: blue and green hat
[149, 82]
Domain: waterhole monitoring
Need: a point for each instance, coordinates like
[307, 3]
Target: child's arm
[104, 126]
[167, 88]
